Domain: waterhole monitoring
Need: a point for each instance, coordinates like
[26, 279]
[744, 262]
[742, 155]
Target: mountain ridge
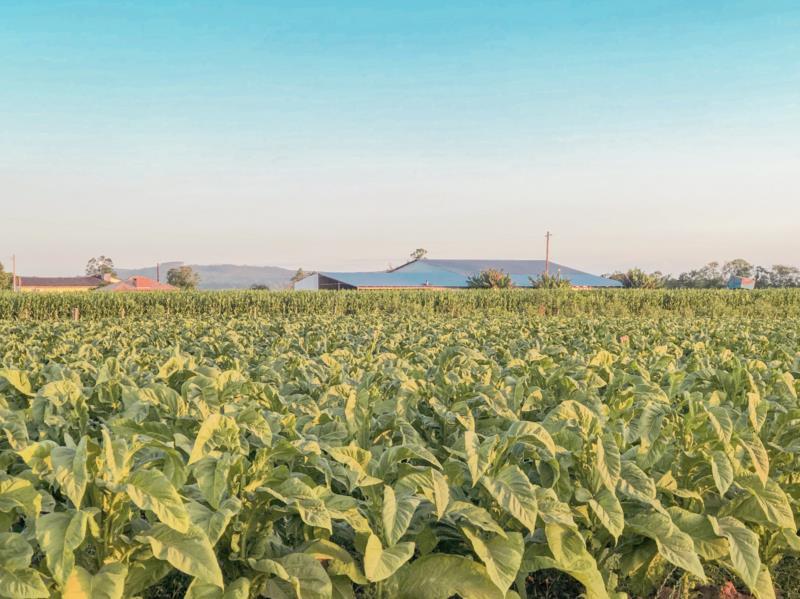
[221, 276]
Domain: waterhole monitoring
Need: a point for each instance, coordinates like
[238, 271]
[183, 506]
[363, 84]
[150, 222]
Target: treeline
[534, 302]
[714, 275]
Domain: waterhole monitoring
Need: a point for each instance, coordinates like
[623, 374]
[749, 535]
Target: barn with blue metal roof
[448, 274]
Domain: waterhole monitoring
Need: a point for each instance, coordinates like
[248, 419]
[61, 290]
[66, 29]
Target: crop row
[609, 302]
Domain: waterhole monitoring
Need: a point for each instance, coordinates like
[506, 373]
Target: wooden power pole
[547, 254]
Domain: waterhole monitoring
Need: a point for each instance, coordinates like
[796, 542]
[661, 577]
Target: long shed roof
[472, 267]
[86, 281]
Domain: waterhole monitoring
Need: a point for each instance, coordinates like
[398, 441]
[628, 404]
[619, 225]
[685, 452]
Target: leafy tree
[183, 277]
[737, 268]
[707, 277]
[418, 254]
[636, 278]
[299, 275]
[259, 287]
[547, 281]
[5, 278]
[99, 266]
[785, 276]
[490, 279]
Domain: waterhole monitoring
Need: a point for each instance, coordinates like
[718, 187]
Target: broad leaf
[743, 549]
[22, 584]
[570, 555]
[501, 556]
[396, 513]
[151, 490]
[189, 552]
[71, 471]
[441, 576]
[380, 563]
[673, 544]
[513, 492]
[722, 471]
[608, 510]
[608, 461]
[108, 583]
[59, 534]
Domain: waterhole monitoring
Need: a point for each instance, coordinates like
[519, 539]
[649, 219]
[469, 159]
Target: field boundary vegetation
[545, 302]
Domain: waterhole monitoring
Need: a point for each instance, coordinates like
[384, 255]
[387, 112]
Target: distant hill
[222, 276]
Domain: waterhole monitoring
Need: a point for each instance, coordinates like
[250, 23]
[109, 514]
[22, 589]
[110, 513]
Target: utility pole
[158, 272]
[547, 254]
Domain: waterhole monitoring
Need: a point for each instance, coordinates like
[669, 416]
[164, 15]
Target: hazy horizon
[342, 136]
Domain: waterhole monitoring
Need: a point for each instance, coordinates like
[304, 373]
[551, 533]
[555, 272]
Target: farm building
[741, 283]
[448, 274]
[138, 283]
[58, 284]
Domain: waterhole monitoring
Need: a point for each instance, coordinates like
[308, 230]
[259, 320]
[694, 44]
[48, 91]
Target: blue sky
[342, 135]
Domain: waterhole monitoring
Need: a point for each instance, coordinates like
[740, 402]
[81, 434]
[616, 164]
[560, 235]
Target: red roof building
[138, 283]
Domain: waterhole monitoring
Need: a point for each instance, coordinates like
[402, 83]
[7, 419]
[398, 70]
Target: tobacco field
[405, 455]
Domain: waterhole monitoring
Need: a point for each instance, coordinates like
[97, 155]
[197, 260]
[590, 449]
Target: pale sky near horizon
[342, 135]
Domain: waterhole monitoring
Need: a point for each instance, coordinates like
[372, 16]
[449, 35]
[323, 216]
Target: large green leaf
[308, 576]
[72, 475]
[357, 460]
[19, 493]
[673, 544]
[722, 471]
[441, 576]
[211, 474]
[15, 551]
[474, 515]
[764, 588]
[16, 379]
[570, 555]
[216, 426]
[635, 483]
[608, 510]
[502, 556]
[59, 534]
[238, 589]
[708, 544]
[213, 523]
[764, 504]
[309, 506]
[396, 514]
[758, 453]
[108, 583]
[339, 561]
[608, 461]
[380, 563]
[513, 492]
[151, 490]
[743, 543]
[189, 552]
[22, 584]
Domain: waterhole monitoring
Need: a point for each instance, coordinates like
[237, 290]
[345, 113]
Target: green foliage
[547, 281]
[5, 279]
[397, 455]
[636, 278]
[99, 266]
[183, 277]
[490, 278]
[229, 304]
[299, 275]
